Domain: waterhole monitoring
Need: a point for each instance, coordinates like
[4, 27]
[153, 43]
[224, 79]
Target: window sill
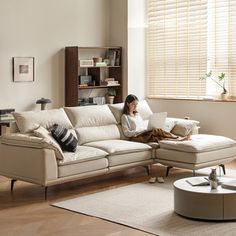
[208, 99]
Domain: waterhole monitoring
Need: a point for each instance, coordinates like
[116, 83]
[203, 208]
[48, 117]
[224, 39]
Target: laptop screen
[157, 120]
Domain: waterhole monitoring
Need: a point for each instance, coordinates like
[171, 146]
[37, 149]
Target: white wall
[118, 33]
[41, 29]
[136, 48]
[215, 117]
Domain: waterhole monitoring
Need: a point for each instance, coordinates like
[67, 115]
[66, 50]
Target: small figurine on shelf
[111, 93]
[213, 179]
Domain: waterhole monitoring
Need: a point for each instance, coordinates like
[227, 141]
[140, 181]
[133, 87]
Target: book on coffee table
[229, 185]
[198, 181]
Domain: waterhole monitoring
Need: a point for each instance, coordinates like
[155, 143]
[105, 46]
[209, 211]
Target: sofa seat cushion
[170, 155]
[128, 158]
[119, 146]
[82, 154]
[85, 159]
[82, 167]
[199, 143]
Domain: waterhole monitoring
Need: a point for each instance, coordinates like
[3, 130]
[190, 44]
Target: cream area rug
[147, 207]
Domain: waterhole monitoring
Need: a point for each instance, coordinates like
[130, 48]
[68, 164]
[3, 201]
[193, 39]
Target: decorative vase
[224, 96]
[110, 99]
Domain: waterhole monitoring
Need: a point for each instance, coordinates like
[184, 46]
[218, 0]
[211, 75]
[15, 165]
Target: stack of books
[100, 64]
[110, 82]
[5, 115]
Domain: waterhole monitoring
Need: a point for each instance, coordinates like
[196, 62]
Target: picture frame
[111, 55]
[23, 69]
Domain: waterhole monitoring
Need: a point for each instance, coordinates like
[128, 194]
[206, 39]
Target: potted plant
[218, 81]
[111, 93]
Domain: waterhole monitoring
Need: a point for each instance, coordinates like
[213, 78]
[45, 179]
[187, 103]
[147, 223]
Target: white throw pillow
[144, 109]
[41, 132]
[117, 110]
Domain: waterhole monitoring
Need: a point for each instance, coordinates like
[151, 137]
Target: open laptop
[157, 120]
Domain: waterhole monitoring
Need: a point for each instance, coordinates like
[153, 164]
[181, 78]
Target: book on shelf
[198, 181]
[110, 82]
[86, 62]
[114, 83]
[111, 56]
[6, 117]
[83, 85]
[100, 64]
[109, 79]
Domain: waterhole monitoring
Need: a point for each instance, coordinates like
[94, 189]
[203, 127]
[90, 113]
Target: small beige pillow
[183, 127]
[169, 124]
[41, 132]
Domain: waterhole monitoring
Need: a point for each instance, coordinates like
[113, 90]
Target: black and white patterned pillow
[64, 137]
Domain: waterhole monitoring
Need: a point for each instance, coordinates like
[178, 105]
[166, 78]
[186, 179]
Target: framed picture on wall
[23, 69]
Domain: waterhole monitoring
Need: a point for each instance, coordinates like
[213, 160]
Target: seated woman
[133, 125]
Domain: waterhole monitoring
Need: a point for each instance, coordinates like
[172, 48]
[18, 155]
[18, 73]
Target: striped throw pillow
[64, 137]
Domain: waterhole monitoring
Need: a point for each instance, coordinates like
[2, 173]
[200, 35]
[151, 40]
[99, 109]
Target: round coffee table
[200, 202]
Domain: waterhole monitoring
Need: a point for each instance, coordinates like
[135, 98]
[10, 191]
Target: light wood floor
[25, 212]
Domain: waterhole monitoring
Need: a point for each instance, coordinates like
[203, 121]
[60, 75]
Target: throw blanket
[154, 135]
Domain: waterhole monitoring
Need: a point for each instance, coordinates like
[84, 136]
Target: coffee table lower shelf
[200, 202]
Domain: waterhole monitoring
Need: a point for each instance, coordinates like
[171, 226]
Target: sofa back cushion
[30, 120]
[143, 109]
[93, 123]
[117, 110]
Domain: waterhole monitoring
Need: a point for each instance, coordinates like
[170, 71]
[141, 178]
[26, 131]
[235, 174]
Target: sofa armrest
[25, 158]
[27, 140]
[22, 140]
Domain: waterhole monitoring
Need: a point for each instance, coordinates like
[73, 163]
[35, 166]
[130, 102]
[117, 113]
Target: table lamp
[43, 102]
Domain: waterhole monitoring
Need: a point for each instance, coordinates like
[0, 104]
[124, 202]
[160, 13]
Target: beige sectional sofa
[31, 154]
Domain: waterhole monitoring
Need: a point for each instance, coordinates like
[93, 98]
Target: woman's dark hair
[130, 98]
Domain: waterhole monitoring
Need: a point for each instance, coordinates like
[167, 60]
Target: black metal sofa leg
[167, 170]
[45, 192]
[147, 169]
[12, 184]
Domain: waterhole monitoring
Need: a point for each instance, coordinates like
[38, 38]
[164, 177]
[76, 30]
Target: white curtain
[185, 40]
